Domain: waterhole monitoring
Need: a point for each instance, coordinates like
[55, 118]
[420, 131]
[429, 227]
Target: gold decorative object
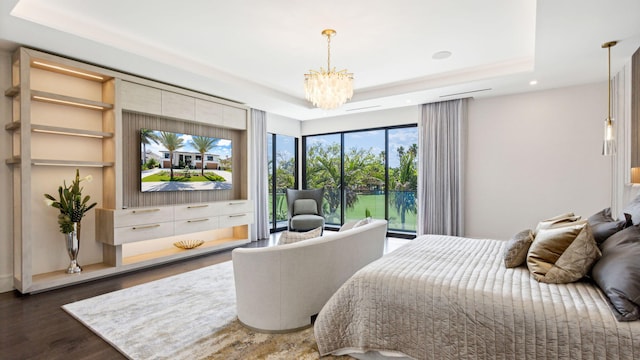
[328, 89]
[188, 244]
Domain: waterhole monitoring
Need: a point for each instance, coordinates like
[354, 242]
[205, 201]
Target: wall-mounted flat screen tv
[183, 162]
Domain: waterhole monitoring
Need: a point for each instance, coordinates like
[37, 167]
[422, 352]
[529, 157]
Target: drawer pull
[197, 206]
[144, 211]
[146, 227]
[197, 220]
[238, 215]
[236, 203]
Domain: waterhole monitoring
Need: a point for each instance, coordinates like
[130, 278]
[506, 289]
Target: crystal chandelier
[328, 89]
[609, 144]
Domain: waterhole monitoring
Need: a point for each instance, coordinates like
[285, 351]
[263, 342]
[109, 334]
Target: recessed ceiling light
[533, 82]
[441, 55]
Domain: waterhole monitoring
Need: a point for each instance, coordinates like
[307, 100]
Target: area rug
[186, 316]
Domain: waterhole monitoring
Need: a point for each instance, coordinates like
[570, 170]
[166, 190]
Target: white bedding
[443, 297]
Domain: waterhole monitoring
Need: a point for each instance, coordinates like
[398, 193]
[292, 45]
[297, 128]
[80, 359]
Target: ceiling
[257, 52]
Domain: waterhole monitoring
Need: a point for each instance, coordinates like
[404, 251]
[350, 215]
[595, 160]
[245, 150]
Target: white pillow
[364, 221]
[290, 237]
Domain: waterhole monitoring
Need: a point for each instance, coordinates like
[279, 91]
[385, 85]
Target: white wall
[6, 212]
[366, 120]
[277, 124]
[535, 155]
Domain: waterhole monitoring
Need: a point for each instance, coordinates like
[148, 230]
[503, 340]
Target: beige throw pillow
[515, 251]
[563, 255]
[557, 221]
[290, 237]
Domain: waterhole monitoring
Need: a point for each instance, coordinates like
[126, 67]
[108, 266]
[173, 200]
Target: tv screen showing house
[183, 162]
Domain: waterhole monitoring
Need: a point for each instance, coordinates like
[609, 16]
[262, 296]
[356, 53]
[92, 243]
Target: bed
[443, 297]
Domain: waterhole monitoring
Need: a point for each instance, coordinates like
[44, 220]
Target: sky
[223, 149]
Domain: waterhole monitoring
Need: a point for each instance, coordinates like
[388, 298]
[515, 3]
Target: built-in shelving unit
[68, 115]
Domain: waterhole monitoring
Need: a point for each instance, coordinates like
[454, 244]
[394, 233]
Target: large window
[323, 154]
[282, 165]
[365, 173]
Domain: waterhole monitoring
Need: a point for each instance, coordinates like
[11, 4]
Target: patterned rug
[186, 316]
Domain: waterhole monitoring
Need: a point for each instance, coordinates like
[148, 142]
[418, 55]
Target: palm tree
[171, 142]
[203, 144]
[146, 138]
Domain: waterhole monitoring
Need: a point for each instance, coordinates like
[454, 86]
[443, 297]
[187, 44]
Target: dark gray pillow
[603, 225]
[617, 273]
[633, 209]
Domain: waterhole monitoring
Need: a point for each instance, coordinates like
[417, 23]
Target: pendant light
[609, 144]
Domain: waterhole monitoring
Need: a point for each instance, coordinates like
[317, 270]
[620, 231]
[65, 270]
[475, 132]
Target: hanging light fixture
[328, 89]
[609, 144]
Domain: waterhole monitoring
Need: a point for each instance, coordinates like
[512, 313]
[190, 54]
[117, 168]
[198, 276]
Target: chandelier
[609, 144]
[328, 89]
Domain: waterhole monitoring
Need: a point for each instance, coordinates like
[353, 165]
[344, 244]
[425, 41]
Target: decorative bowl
[188, 244]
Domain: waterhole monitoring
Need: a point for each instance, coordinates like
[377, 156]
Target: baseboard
[6, 283]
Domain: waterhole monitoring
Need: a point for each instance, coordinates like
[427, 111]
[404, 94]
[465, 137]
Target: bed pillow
[633, 209]
[305, 206]
[617, 273]
[556, 221]
[364, 221]
[563, 254]
[603, 225]
[515, 251]
[290, 237]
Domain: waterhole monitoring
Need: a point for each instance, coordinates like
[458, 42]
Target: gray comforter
[443, 297]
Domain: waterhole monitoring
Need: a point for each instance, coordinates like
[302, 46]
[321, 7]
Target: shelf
[15, 126]
[68, 100]
[51, 162]
[53, 98]
[59, 278]
[175, 253]
[56, 279]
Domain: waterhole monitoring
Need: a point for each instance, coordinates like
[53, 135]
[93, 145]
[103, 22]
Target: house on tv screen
[193, 160]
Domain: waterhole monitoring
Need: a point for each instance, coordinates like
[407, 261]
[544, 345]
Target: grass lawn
[178, 175]
[375, 204]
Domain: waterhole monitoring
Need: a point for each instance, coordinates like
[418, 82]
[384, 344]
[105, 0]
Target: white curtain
[258, 180]
[440, 168]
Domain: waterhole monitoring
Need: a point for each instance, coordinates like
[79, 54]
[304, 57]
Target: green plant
[367, 213]
[71, 204]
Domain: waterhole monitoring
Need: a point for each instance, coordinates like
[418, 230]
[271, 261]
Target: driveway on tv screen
[183, 184]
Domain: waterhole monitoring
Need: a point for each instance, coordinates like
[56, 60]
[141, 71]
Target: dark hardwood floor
[35, 326]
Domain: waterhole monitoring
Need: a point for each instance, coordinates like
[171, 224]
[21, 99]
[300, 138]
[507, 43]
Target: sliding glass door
[282, 165]
[324, 170]
[403, 179]
[364, 174]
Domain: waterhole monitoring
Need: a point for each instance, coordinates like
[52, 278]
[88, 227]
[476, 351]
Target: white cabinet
[67, 114]
[117, 228]
[141, 98]
[178, 106]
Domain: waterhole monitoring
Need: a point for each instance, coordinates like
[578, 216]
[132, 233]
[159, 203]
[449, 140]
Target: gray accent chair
[302, 213]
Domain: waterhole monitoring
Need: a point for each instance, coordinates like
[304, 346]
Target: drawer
[196, 224]
[128, 234]
[236, 219]
[139, 216]
[192, 211]
[235, 207]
